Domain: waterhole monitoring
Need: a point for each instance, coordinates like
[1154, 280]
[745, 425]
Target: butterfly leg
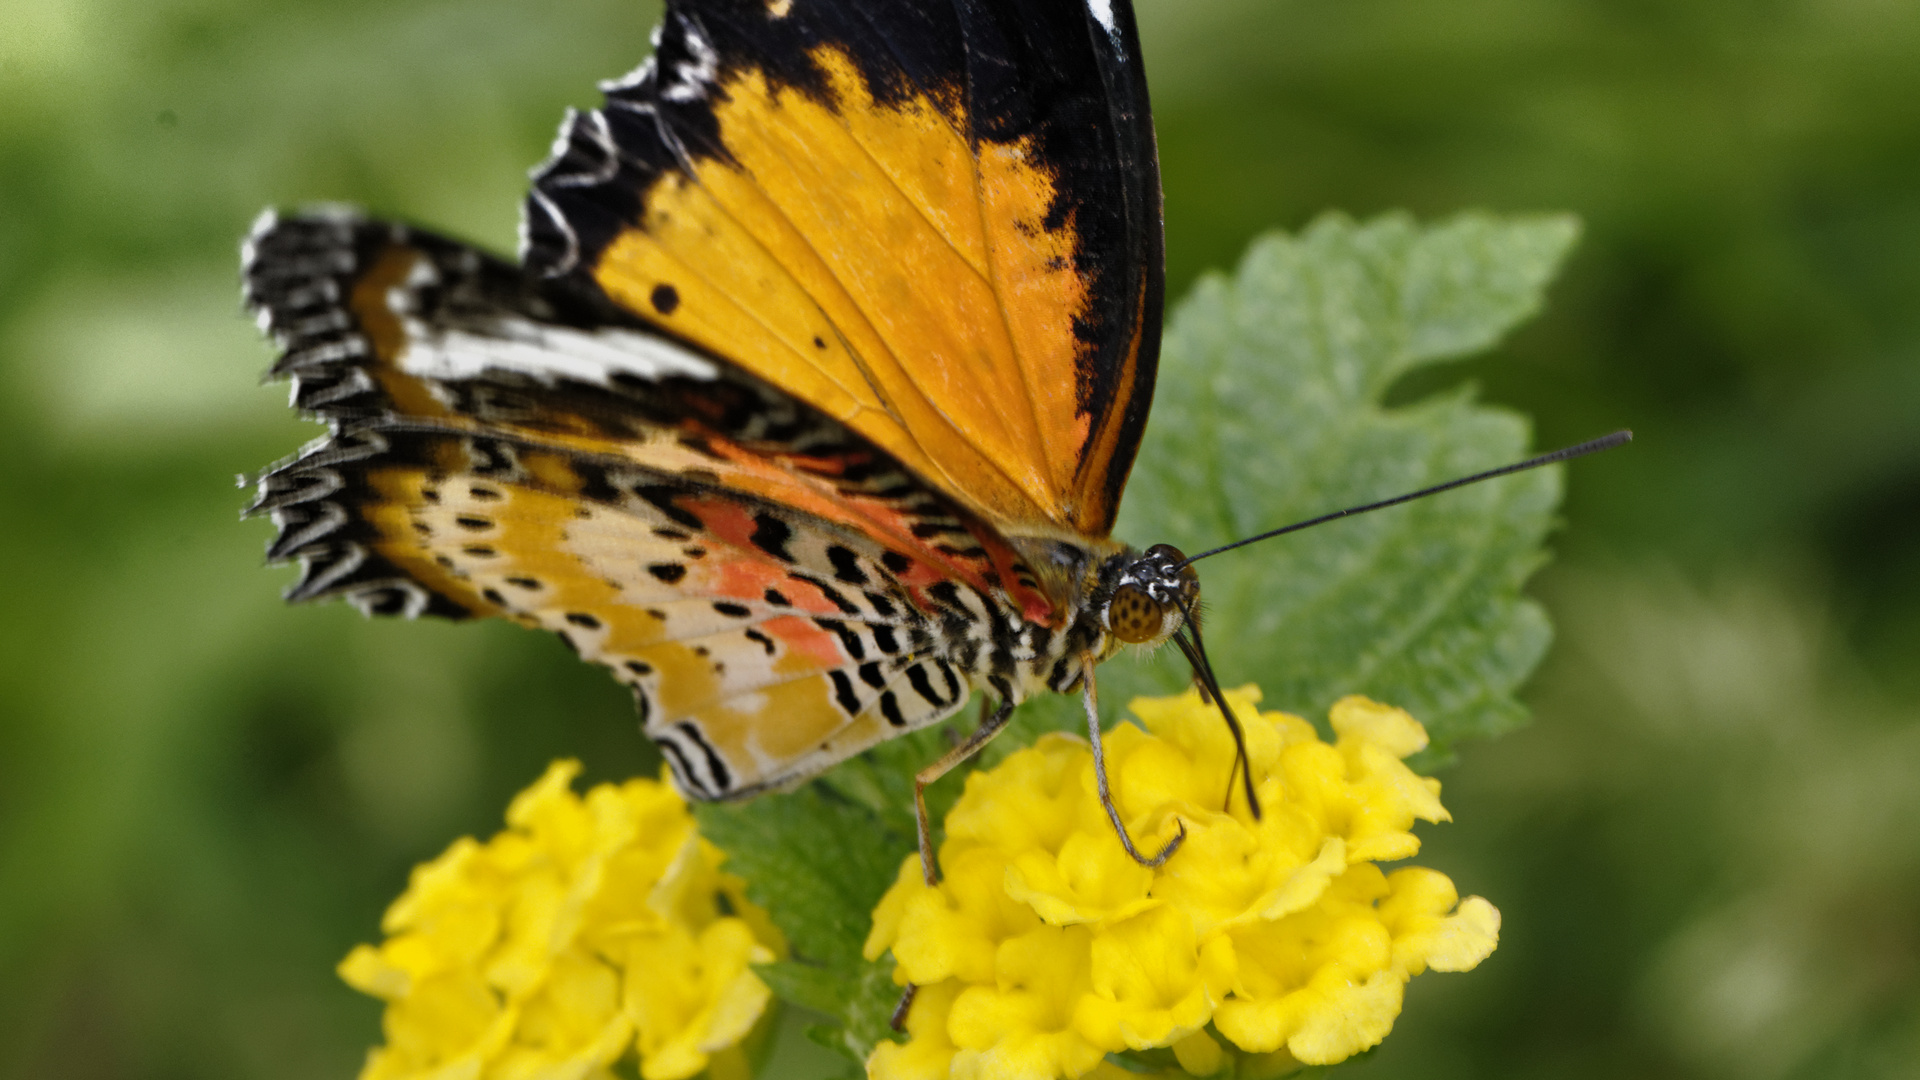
[1091, 699]
[898, 1022]
[982, 735]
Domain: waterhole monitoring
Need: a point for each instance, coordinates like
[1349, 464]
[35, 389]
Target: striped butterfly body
[806, 410]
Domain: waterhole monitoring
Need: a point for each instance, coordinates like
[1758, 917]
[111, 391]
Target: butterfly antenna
[1197, 657]
[1593, 446]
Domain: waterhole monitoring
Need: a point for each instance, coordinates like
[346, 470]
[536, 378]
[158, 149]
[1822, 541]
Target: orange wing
[937, 223]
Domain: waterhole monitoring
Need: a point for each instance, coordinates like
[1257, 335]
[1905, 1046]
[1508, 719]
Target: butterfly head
[1153, 595]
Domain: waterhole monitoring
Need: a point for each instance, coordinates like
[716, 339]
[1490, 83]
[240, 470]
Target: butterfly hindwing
[761, 645]
[938, 222]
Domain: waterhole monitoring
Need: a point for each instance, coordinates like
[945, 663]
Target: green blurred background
[1705, 846]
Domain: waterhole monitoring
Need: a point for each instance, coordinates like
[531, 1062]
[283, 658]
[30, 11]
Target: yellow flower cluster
[1046, 948]
[592, 926]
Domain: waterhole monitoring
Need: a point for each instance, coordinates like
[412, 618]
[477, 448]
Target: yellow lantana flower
[1046, 948]
[593, 926]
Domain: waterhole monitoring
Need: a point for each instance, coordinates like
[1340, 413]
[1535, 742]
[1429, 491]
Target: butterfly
[808, 405]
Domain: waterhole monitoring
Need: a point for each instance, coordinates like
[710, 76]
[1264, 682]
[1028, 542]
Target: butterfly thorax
[1117, 596]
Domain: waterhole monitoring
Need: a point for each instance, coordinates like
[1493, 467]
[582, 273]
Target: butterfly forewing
[939, 222]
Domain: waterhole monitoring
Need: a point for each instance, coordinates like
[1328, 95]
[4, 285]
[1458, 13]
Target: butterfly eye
[1133, 616]
[1189, 577]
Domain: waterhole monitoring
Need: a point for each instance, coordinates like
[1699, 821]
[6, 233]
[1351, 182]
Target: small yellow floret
[591, 927]
[1046, 948]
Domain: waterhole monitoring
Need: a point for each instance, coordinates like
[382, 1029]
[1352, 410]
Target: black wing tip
[281, 246]
[297, 272]
[586, 191]
[656, 119]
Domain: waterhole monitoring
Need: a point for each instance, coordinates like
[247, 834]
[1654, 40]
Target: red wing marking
[806, 640]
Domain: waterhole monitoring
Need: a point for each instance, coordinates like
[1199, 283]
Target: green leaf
[1269, 410]
[818, 862]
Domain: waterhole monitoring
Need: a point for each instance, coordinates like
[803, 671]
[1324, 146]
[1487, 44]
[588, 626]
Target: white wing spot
[547, 353]
[1103, 14]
